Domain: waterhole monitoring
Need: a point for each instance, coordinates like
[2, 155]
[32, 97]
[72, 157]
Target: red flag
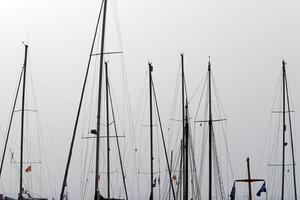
[28, 169]
[174, 177]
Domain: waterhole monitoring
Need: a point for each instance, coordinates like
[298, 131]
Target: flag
[262, 189]
[28, 169]
[174, 177]
[232, 193]
[154, 182]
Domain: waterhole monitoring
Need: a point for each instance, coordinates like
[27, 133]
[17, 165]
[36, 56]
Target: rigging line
[163, 140]
[200, 100]
[268, 135]
[292, 143]
[273, 154]
[275, 146]
[89, 167]
[279, 86]
[273, 107]
[44, 114]
[178, 191]
[10, 122]
[203, 152]
[79, 107]
[173, 110]
[218, 99]
[38, 122]
[219, 103]
[17, 169]
[124, 75]
[90, 118]
[219, 173]
[118, 145]
[116, 20]
[139, 109]
[193, 167]
[116, 113]
[140, 143]
[200, 83]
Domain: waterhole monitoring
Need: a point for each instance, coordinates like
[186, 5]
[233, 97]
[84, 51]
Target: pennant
[154, 182]
[28, 169]
[262, 189]
[174, 178]
[232, 193]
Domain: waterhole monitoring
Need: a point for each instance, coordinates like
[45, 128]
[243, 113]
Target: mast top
[283, 65]
[150, 66]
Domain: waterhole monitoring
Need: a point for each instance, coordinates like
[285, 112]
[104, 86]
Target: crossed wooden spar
[249, 180]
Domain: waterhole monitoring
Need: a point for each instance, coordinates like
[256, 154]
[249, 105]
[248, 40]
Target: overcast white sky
[246, 41]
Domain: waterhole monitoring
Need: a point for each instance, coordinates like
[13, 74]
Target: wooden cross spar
[249, 180]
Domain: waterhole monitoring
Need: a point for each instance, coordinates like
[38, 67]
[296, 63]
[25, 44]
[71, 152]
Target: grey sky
[246, 41]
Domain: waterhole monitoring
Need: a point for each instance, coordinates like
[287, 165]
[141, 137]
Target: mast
[107, 131]
[186, 156]
[10, 122]
[151, 130]
[292, 142]
[99, 99]
[171, 165]
[64, 184]
[249, 178]
[283, 129]
[118, 145]
[184, 135]
[164, 144]
[210, 133]
[22, 123]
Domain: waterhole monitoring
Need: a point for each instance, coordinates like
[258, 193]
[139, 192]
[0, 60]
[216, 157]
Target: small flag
[232, 193]
[174, 177]
[262, 189]
[154, 182]
[98, 177]
[28, 169]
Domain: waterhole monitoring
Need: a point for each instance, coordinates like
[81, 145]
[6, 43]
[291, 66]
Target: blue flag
[262, 189]
[232, 193]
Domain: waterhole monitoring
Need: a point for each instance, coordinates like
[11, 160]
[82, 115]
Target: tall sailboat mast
[22, 123]
[118, 145]
[283, 129]
[285, 97]
[64, 184]
[209, 133]
[10, 122]
[249, 180]
[99, 99]
[184, 134]
[292, 142]
[151, 130]
[107, 132]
